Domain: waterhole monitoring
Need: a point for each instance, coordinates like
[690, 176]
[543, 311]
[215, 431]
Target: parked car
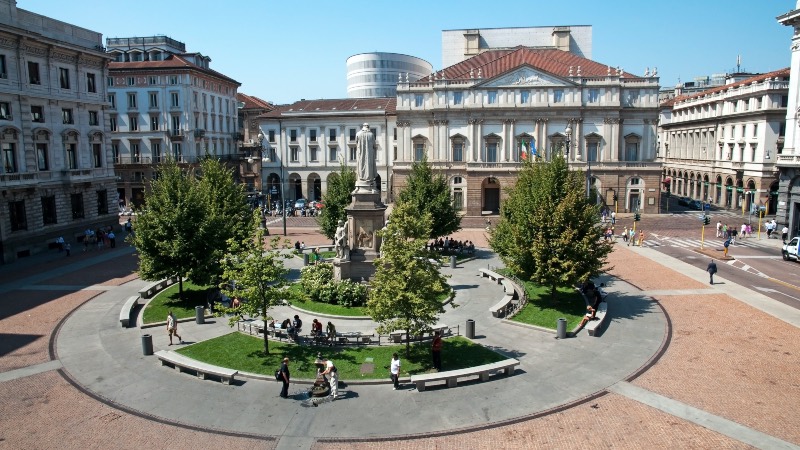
[789, 250]
[300, 203]
[696, 205]
[684, 201]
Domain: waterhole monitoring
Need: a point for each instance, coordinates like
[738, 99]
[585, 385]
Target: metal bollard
[561, 328]
[470, 331]
[147, 344]
[199, 315]
[453, 262]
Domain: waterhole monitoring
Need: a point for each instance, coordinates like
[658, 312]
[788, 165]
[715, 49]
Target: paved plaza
[680, 364]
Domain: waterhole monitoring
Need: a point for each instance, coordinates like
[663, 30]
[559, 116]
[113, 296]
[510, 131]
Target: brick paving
[745, 372]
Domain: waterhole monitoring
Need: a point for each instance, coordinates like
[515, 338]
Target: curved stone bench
[451, 377]
[153, 289]
[202, 369]
[127, 309]
[593, 325]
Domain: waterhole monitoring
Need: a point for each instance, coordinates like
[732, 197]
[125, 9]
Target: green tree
[336, 199]
[428, 192]
[226, 216]
[257, 277]
[166, 227]
[548, 230]
[406, 291]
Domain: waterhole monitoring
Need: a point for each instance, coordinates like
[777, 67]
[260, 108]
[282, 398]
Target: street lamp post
[280, 161]
[568, 132]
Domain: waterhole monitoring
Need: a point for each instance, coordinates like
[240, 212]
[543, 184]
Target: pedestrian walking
[613, 217]
[394, 369]
[112, 238]
[785, 233]
[284, 374]
[172, 328]
[436, 351]
[641, 238]
[726, 244]
[67, 248]
[625, 234]
[712, 269]
[719, 229]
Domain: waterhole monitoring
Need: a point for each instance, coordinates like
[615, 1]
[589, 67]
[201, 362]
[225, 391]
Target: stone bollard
[453, 262]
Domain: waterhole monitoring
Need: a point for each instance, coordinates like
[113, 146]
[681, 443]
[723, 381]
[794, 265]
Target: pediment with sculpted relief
[525, 76]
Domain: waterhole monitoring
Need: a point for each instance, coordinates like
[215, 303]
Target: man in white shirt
[785, 233]
[330, 369]
[394, 368]
[172, 328]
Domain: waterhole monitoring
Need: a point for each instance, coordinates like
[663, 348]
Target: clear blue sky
[283, 51]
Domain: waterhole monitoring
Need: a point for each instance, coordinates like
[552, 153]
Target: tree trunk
[266, 341]
[553, 291]
[180, 288]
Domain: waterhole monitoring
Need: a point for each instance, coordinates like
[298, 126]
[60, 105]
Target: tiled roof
[497, 62]
[169, 63]
[251, 102]
[387, 104]
[756, 79]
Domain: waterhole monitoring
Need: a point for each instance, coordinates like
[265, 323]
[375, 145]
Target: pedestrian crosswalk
[695, 243]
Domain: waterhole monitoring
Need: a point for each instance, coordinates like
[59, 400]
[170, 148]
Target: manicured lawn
[166, 300]
[246, 353]
[544, 312]
[323, 308]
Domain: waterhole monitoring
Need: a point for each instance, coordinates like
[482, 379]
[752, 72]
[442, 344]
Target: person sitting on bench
[295, 329]
[590, 315]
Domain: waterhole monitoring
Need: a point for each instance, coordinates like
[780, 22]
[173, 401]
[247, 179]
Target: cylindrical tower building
[376, 74]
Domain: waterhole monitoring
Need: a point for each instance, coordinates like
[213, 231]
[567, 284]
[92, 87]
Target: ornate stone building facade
[166, 102]
[720, 145]
[57, 176]
[788, 208]
[476, 120]
[249, 171]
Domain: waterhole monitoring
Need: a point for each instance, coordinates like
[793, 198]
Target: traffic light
[615, 197]
[706, 220]
[636, 217]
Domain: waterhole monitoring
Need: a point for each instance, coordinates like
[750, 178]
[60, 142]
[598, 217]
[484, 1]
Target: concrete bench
[501, 308]
[399, 336]
[451, 377]
[127, 309]
[510, 288]
[486, 273]
[153, 289]
[202, 369]
[600, 316]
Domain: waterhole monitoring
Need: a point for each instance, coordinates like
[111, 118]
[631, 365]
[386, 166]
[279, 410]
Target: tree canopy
[407, 289]
[429, 192]
[336, 199]
[548, 230]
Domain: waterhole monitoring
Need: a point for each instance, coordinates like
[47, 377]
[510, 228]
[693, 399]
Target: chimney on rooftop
[561, 38]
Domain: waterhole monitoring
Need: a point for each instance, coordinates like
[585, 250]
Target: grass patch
[544, 312]
[246, 353]
[303, 302]
[166, 300]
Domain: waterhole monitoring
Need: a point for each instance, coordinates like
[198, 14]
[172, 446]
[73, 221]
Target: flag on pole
[533, 149]
[523, 151]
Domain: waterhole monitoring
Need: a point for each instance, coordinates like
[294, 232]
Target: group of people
[605, 216]
[595, 297]
[629, 236]
[451, 245]
[772, 228]
[294, 328]
[102, 237]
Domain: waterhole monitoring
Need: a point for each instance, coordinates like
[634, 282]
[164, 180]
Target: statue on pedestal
[365, 160]
[340, 241]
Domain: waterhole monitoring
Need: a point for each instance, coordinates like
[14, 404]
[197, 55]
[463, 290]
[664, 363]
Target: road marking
[762, 289]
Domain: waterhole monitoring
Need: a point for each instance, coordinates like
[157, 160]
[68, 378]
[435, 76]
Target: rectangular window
[458, 152]
[352, 154]
[394, 133]
[418, 100]
[131, 100]
[312, 135]
[558, 96]
[102, 202]
[295, 154]
[93, 119]
[594, 95]
[110, 81]
[113, 100]
[91, 85]
[271, 135]
[42, 161]
[177, 151]
[332, 154]
[66, 116]
[133, 122]
[37, 113]
[419, 151]
[174, 99]
[115, 152]
[293, 135]
[72, 156]
[352, 134]
[16, 212]
[155, 149]
[9, 157]
[176, 125]
[63, 77]
[97, 155]
[112, 123]
[33, 73]
[491, 152]
[784, 101]
[458, 199]
[5, 111]
[76, 201]
[153, 123]
[3, 68]
[312, 154]
[153, 97]
[491, 97]
[591, 149]
[755, 130]
[332, 134]
[49, 212]
[632, 151]
[524, 96]
[458, 98]
[173, 79]
[152, 80]
[136, 155]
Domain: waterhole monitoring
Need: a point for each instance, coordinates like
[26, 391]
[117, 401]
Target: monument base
[365, 217]
[341, 269]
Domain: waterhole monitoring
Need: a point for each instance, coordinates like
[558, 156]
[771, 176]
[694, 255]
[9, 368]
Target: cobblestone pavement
[723, 357]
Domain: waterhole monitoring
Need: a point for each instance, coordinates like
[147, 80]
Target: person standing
[719, 229]
[726, 244]
[112, 238]
[394, 369]
[284, 373]
[333, 372]
[67, 248]
[172, 328]
[436, 351]
[613, 217]
[712, 269]
[331, 331]
[785, 233]
[641, 238]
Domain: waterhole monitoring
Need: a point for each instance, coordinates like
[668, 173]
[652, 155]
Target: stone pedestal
[365, 217]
